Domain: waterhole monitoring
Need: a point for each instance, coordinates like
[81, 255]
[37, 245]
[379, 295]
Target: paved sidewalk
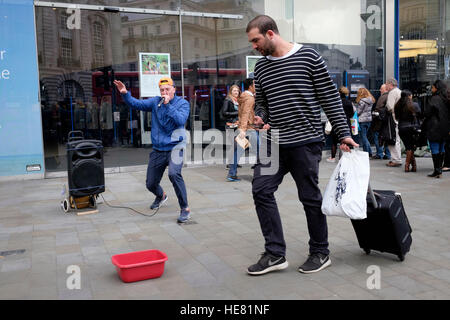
[208, 257]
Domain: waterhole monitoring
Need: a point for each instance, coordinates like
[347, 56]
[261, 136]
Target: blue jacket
[167, 120]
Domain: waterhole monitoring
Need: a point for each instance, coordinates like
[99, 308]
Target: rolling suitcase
[386, 227]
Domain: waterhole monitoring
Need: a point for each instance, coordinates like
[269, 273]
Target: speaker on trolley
[85, 166]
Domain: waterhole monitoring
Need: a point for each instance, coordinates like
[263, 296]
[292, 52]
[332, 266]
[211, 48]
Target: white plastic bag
[345, 194]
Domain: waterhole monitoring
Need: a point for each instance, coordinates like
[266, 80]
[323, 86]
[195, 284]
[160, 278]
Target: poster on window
[251, 62]
[152, 67]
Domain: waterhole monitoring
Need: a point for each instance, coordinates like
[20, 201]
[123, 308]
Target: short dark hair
[263, 23]
[248, 83]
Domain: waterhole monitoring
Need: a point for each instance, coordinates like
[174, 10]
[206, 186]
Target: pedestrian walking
[406, 113]
[292, 83]
[378, 116]
[364, 102]
[437, 124]
[393, 96]
[246, 114]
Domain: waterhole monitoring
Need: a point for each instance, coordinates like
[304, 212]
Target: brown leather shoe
[393, 164]
[413, 163]
[408, 160]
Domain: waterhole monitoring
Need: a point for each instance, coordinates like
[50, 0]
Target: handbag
[388, 134]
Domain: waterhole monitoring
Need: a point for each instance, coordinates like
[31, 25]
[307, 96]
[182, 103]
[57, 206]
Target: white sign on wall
[152, 67]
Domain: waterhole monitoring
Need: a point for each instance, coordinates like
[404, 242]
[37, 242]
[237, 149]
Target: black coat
[437, 119]
[348, 109]
[380, 107]
[229, 113]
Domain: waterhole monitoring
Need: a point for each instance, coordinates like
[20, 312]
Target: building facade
[74, 49]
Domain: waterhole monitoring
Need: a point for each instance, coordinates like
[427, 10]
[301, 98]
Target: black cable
[119, 207]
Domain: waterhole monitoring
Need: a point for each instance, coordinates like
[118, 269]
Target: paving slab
[207, 258]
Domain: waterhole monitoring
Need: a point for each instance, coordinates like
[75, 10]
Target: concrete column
[391, 37]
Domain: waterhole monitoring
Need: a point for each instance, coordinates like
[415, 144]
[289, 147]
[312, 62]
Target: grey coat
[364, 109]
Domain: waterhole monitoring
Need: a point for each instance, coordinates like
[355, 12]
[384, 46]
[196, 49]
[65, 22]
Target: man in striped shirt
[292, 84]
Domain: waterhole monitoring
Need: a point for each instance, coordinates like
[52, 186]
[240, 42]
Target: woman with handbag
[406, 112]
[436, 117]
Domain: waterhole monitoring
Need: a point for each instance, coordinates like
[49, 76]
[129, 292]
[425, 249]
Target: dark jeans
[376, 139]
[303, 164]
[365, 126]
[437, 147]
[237, 153]
[159, 160]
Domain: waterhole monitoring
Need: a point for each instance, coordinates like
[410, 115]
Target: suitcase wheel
[401, 257]
[367, 251]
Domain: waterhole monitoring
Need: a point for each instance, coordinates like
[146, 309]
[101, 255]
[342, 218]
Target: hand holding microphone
[164, 100]
[160, 102]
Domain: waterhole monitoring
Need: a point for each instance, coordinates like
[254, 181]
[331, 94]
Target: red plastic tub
[139, 265]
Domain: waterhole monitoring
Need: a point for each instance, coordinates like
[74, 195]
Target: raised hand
[120, 86]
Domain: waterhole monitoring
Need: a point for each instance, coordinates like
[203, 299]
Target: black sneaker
[267, 263]
[315, 263]
[159, 201]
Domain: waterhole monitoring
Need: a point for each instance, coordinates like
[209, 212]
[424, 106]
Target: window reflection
[77, 65]
[423, 45]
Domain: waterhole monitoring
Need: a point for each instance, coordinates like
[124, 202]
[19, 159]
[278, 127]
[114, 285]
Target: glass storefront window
[424, 33]
[349, 36]
[214, 60]
[77, 65]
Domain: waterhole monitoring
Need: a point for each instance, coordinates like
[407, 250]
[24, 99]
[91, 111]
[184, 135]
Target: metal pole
[131, 126]
[135, 10]
[181, 51]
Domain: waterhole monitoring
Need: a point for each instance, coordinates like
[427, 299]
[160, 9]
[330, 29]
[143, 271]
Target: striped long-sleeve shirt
[289, 93]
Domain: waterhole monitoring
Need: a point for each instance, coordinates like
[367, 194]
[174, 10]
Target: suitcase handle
[372, 196]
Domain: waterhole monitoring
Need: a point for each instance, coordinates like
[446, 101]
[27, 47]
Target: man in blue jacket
[169, 114]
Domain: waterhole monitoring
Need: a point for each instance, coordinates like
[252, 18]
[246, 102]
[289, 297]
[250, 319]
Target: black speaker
[85, 166]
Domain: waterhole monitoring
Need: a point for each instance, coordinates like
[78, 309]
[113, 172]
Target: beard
[267, 49]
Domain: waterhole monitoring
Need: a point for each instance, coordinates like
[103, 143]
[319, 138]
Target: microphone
[161, 102]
